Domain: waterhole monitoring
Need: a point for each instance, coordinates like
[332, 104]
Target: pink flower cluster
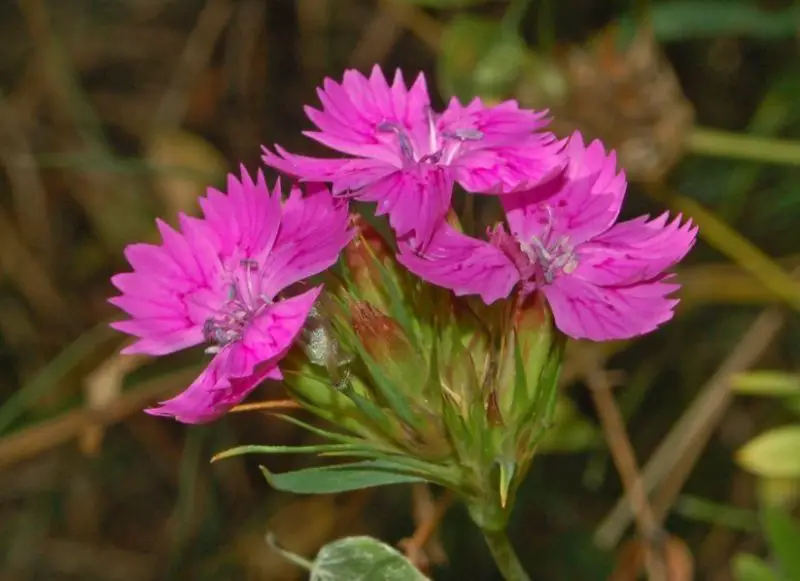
[233, 280]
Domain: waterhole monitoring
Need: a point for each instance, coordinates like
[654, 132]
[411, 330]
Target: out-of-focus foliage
[783, 534]
[691, 19]
[479, 57]
[774, 453]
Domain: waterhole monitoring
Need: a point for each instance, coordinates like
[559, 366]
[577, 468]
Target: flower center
[552, 259]
[552, 255]
[243, 303]
[441, 148]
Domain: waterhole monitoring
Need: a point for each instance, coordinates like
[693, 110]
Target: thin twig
[379, 36]
[247, 26]
[743, 356]
[313, 23]
[30, 197]
[45, 435]
[414, 546]
[196, 53]
[727, 240]
[421, 25]
[625, 460]
[17, 261]
[690, 434]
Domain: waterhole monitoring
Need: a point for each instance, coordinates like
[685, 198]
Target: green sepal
[334, 436]
[521, 395]
[397, 306]
[389, 393]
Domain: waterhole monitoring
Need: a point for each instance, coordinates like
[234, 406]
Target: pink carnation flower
[602, 280]
[404, 157]
[217, 281]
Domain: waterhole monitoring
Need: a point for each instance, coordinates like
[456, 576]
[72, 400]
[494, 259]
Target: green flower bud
[369, 261]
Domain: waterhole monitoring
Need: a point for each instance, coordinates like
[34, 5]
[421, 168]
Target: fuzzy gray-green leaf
[362, 559]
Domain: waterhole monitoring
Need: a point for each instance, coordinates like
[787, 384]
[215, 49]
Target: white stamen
[433, 140]
[405, 143]
[551, 258]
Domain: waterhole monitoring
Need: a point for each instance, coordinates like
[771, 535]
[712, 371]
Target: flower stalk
[504, 556]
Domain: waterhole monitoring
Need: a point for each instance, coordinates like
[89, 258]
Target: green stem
[504, 556]
[716, 143]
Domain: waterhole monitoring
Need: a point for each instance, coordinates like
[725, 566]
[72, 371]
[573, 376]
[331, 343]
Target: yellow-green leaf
[748, 567]
[773, 454]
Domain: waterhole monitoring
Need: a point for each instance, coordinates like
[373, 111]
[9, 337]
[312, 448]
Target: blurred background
[115, 111]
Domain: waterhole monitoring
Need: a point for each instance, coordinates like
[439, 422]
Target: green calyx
[423, 385]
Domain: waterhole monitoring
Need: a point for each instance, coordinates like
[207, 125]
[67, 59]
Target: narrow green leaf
[372, 454]
[783, 534]
[336, 437]
[438, 474]
[341, 478]
[364, 559]
[723, 515]
[773, 454]
[256, 449]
